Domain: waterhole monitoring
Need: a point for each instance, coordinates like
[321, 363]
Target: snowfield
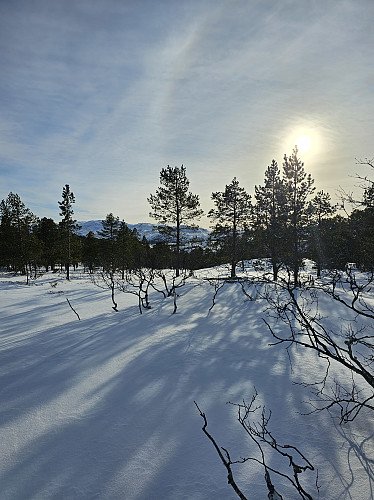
[103, 407]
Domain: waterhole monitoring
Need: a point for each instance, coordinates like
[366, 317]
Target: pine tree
[368, 197]
[6, 236]
[174, 207]
[16, 226]
[47, 232]
[361, 224]
[90, 251]
[232, 215]
[338, 242]
[361, 221]
[299, 186]
[129, 248]
[68, 225]
[109, 234]
[320, 208]
[271, 215]
[110, 227]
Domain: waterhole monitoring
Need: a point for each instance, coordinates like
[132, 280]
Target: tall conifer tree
[299, 186]
[320, 208]
[68, 225]
[16, 233]
[47, 232]
[232, 216]
[271, 215]
[109, 233]
[174, 207]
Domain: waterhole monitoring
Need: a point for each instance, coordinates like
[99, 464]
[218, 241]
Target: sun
[303, 143]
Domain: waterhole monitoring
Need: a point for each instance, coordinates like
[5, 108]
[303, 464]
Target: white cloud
[102, 95]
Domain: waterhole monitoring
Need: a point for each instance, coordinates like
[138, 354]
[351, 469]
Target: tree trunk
[178, 244]
[275, 269]
[233, 259]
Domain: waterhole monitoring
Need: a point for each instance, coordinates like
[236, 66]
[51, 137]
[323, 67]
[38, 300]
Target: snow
[103, 408]
[144, 229]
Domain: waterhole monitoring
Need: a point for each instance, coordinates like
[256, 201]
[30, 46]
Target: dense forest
[286, 220]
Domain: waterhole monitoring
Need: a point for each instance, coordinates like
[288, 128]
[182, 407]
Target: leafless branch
[352, 348]
[226, 461]
[72, 308]
[261, 437]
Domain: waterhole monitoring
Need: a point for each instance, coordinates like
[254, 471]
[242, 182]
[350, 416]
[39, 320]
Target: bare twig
[352, 348]
[226, 461]
[261, 436]
[72, 308]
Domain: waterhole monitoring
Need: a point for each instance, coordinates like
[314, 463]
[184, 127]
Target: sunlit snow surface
[103, 408]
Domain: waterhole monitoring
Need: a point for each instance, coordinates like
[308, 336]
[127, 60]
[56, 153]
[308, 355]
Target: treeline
[286, 221]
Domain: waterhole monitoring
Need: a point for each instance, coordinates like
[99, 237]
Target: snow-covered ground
[103, 408]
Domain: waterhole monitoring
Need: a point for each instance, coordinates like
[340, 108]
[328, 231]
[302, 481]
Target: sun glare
[303, 143]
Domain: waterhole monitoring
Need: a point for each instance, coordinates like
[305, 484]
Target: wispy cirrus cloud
[102, 95]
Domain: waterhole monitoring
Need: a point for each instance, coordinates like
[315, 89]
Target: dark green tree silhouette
[18, 245]
[174, 207]
[298, 189]
[90, 251]
[68, 225]
[231, 216]
[109, 235]
[271, 215]
[321, 208]
[47, 232]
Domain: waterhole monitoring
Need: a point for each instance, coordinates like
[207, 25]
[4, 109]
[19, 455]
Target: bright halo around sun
[303, 143]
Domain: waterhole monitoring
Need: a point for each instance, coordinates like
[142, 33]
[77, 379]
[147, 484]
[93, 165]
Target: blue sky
[102, 94]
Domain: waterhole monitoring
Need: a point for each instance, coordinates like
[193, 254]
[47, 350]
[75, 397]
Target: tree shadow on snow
[103, 407]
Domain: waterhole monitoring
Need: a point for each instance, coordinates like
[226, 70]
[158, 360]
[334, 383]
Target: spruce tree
[109, 233]
[6, 236]
[90, 251]
[110, 227]
[129, 248]
[174, 207]
[47, 232]
[271, 215]
[299, 186]
[368, 197]
[68, 225]
[361, 224]
[16, 226]
[338, 242]
[232, 215]
[320, 208]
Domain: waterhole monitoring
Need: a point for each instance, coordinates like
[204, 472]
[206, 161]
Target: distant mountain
[144, 229]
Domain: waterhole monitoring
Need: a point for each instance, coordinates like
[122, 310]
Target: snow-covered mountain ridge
[144, 229]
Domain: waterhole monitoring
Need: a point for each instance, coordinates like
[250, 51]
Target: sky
[103, 94]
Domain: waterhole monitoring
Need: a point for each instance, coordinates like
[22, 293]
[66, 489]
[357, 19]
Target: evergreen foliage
[361, 232]
[320, 208]
[130, 251]
[232, 216]
[285, 224]
[90, 251]
[336, 240]
[298, 188]
[67, 226]
[271, 216]
[47, 232]
[174, 207]
[108, 244]
[19, 249]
